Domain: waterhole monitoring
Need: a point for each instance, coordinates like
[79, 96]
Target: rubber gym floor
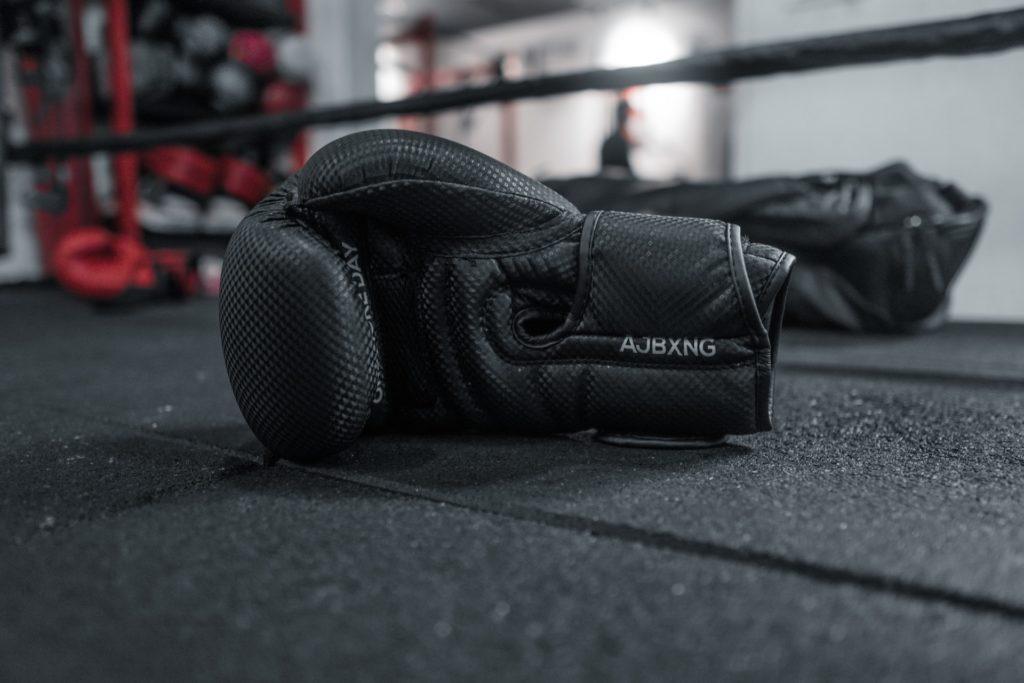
[877, 533]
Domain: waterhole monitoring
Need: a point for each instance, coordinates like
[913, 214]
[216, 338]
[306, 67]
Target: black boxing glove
[403, 280]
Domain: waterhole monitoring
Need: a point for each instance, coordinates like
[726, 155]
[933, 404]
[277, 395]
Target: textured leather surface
[877, 252]
[403, 281]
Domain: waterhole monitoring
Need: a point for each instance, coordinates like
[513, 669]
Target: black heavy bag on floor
[402, 280]
[877, 252]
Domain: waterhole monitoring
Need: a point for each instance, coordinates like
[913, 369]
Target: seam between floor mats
[241, 463]
[663, 540]
[659, 540]
[157, 495]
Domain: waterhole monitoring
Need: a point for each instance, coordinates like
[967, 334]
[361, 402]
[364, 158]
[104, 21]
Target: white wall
[343, 37]
[958, 119]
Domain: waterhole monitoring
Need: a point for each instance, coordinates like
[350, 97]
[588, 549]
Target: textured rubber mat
[876, 533]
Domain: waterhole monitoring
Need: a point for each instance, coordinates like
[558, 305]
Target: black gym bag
[875, 252]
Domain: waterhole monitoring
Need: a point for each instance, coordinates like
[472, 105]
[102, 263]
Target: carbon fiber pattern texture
[404, 281]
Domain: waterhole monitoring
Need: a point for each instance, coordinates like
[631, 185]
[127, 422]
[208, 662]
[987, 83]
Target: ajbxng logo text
[665, 346]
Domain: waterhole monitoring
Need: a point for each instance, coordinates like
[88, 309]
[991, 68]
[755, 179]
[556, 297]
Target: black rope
[983, 33]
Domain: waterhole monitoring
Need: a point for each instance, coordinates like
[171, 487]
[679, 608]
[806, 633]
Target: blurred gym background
[873, 534]
[953, 119]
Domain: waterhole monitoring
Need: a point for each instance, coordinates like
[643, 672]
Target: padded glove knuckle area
[369, 157]
[433, 188]
[300, 353]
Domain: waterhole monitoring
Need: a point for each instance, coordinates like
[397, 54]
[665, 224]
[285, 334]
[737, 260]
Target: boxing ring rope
[971, 35]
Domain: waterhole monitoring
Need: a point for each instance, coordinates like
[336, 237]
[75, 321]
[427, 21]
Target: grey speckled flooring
[879, 532]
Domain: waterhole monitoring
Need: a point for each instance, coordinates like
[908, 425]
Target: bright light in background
[638, 40]
[668, 130]
[391, 80]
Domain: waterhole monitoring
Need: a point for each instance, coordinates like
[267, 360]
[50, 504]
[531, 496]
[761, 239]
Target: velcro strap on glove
[675, 290]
